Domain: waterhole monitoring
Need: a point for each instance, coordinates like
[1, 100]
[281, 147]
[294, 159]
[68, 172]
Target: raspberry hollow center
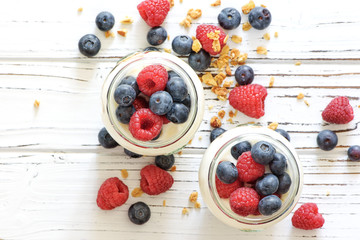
[150, 83]
[146, 124]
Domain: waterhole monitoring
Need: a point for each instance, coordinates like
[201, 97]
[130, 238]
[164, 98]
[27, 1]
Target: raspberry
[151, 79]
[154, 12]
[112, 193]
[144, 125]
[155, 180]
[307, 217]
[224, 190]
[338, 111]
[140, 102]
[244, 201]
[164, 119]
[249, 99]
[248, 169]
[207, 41]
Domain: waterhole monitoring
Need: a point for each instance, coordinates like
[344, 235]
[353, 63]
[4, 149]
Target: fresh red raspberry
[244, 201]
[224, 190]
[307, 217]
[154, 12]
[112, 193]
[248, 169]
[338, 111]
[164, 119]
[155, 180]
[151, 79]
[202, 32]
[140, 102]
[144, 125]
[249, 99]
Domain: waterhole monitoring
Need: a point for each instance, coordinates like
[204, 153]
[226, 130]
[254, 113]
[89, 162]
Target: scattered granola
[196, 46]
[307, 103]
[234, 54]
[226, 39]
[164, 203]
[261, 50]
[127, 20]
[227, 84]
[168, 37]
[328, 193]
[219, 78]
[36, 103]
[298, 63]
[300, 96]
[230, 120]
[262, 5]
[216, 3]
[197, 205]
[273, 125]
[190, 141]
[228, 70]
[186, 22]
[122, 32]
[171, 3]
[266, 36]
[181, 1]
[124, 173]
[216, 43]
[200, 138]
[168, 50]
[248, 7]
[221, 113]
[193, 197]
[221, 92]
[185, 211]
[109, 34]
[173, 168]
[194, 13]
[233, 114]
[210, 107]
[246, 26]
[276, 34]
[137, 192]
[236, 39]
[180, 152]
[80, 9]
[271, 83]
[215, 122]
[208, 79]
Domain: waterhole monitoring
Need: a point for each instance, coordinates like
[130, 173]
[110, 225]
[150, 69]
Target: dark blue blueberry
[178, 113]
[165, 161]
[284, 133]
[262, 152]
[130, 80]
[284, 183]
[105, 21]
[354, 153]
[278, 164]
[139, 213]
[160, 102]
[148, 49]
[267, 184]
[227, 172]
[229, 18]
[172, 74]
[106, 140]
[259, 18]
[132, 154]
[215, 133]
[177, 89]
[182, 44]
[187, 101]
[89, 45]
[327, 140]
[124, 95]
[269, 205]
[123, 114]
[199, 61]
[240, 148]
[244, 75]
[156, 36]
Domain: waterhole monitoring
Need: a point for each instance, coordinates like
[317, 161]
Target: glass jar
[173, 137]
[219, 150]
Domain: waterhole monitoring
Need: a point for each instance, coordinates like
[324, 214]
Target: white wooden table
[51, 164]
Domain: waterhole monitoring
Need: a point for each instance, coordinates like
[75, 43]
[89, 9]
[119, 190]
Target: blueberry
[229, 18]
[106, 140]
[139, 213]
[259, 18]
[269, 205]
[132, 154]
[215, 133]
[182, 44]
[267, 184]
[156, 36]
[165, 161]
[89, 45]
[354, 153]
[284, 133]
[130, 80]
[244, 75]
[105, 21]
[227, 172]
[178, 113]
[123, 114]
[160, 102]
[284, 183]
[262, 152]
[124, 95]
[199, 61]
[278, 164]
[177, 89]
[240, 148]
[157, 136]
[149, 49]
[327, 140]
[187, 101]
